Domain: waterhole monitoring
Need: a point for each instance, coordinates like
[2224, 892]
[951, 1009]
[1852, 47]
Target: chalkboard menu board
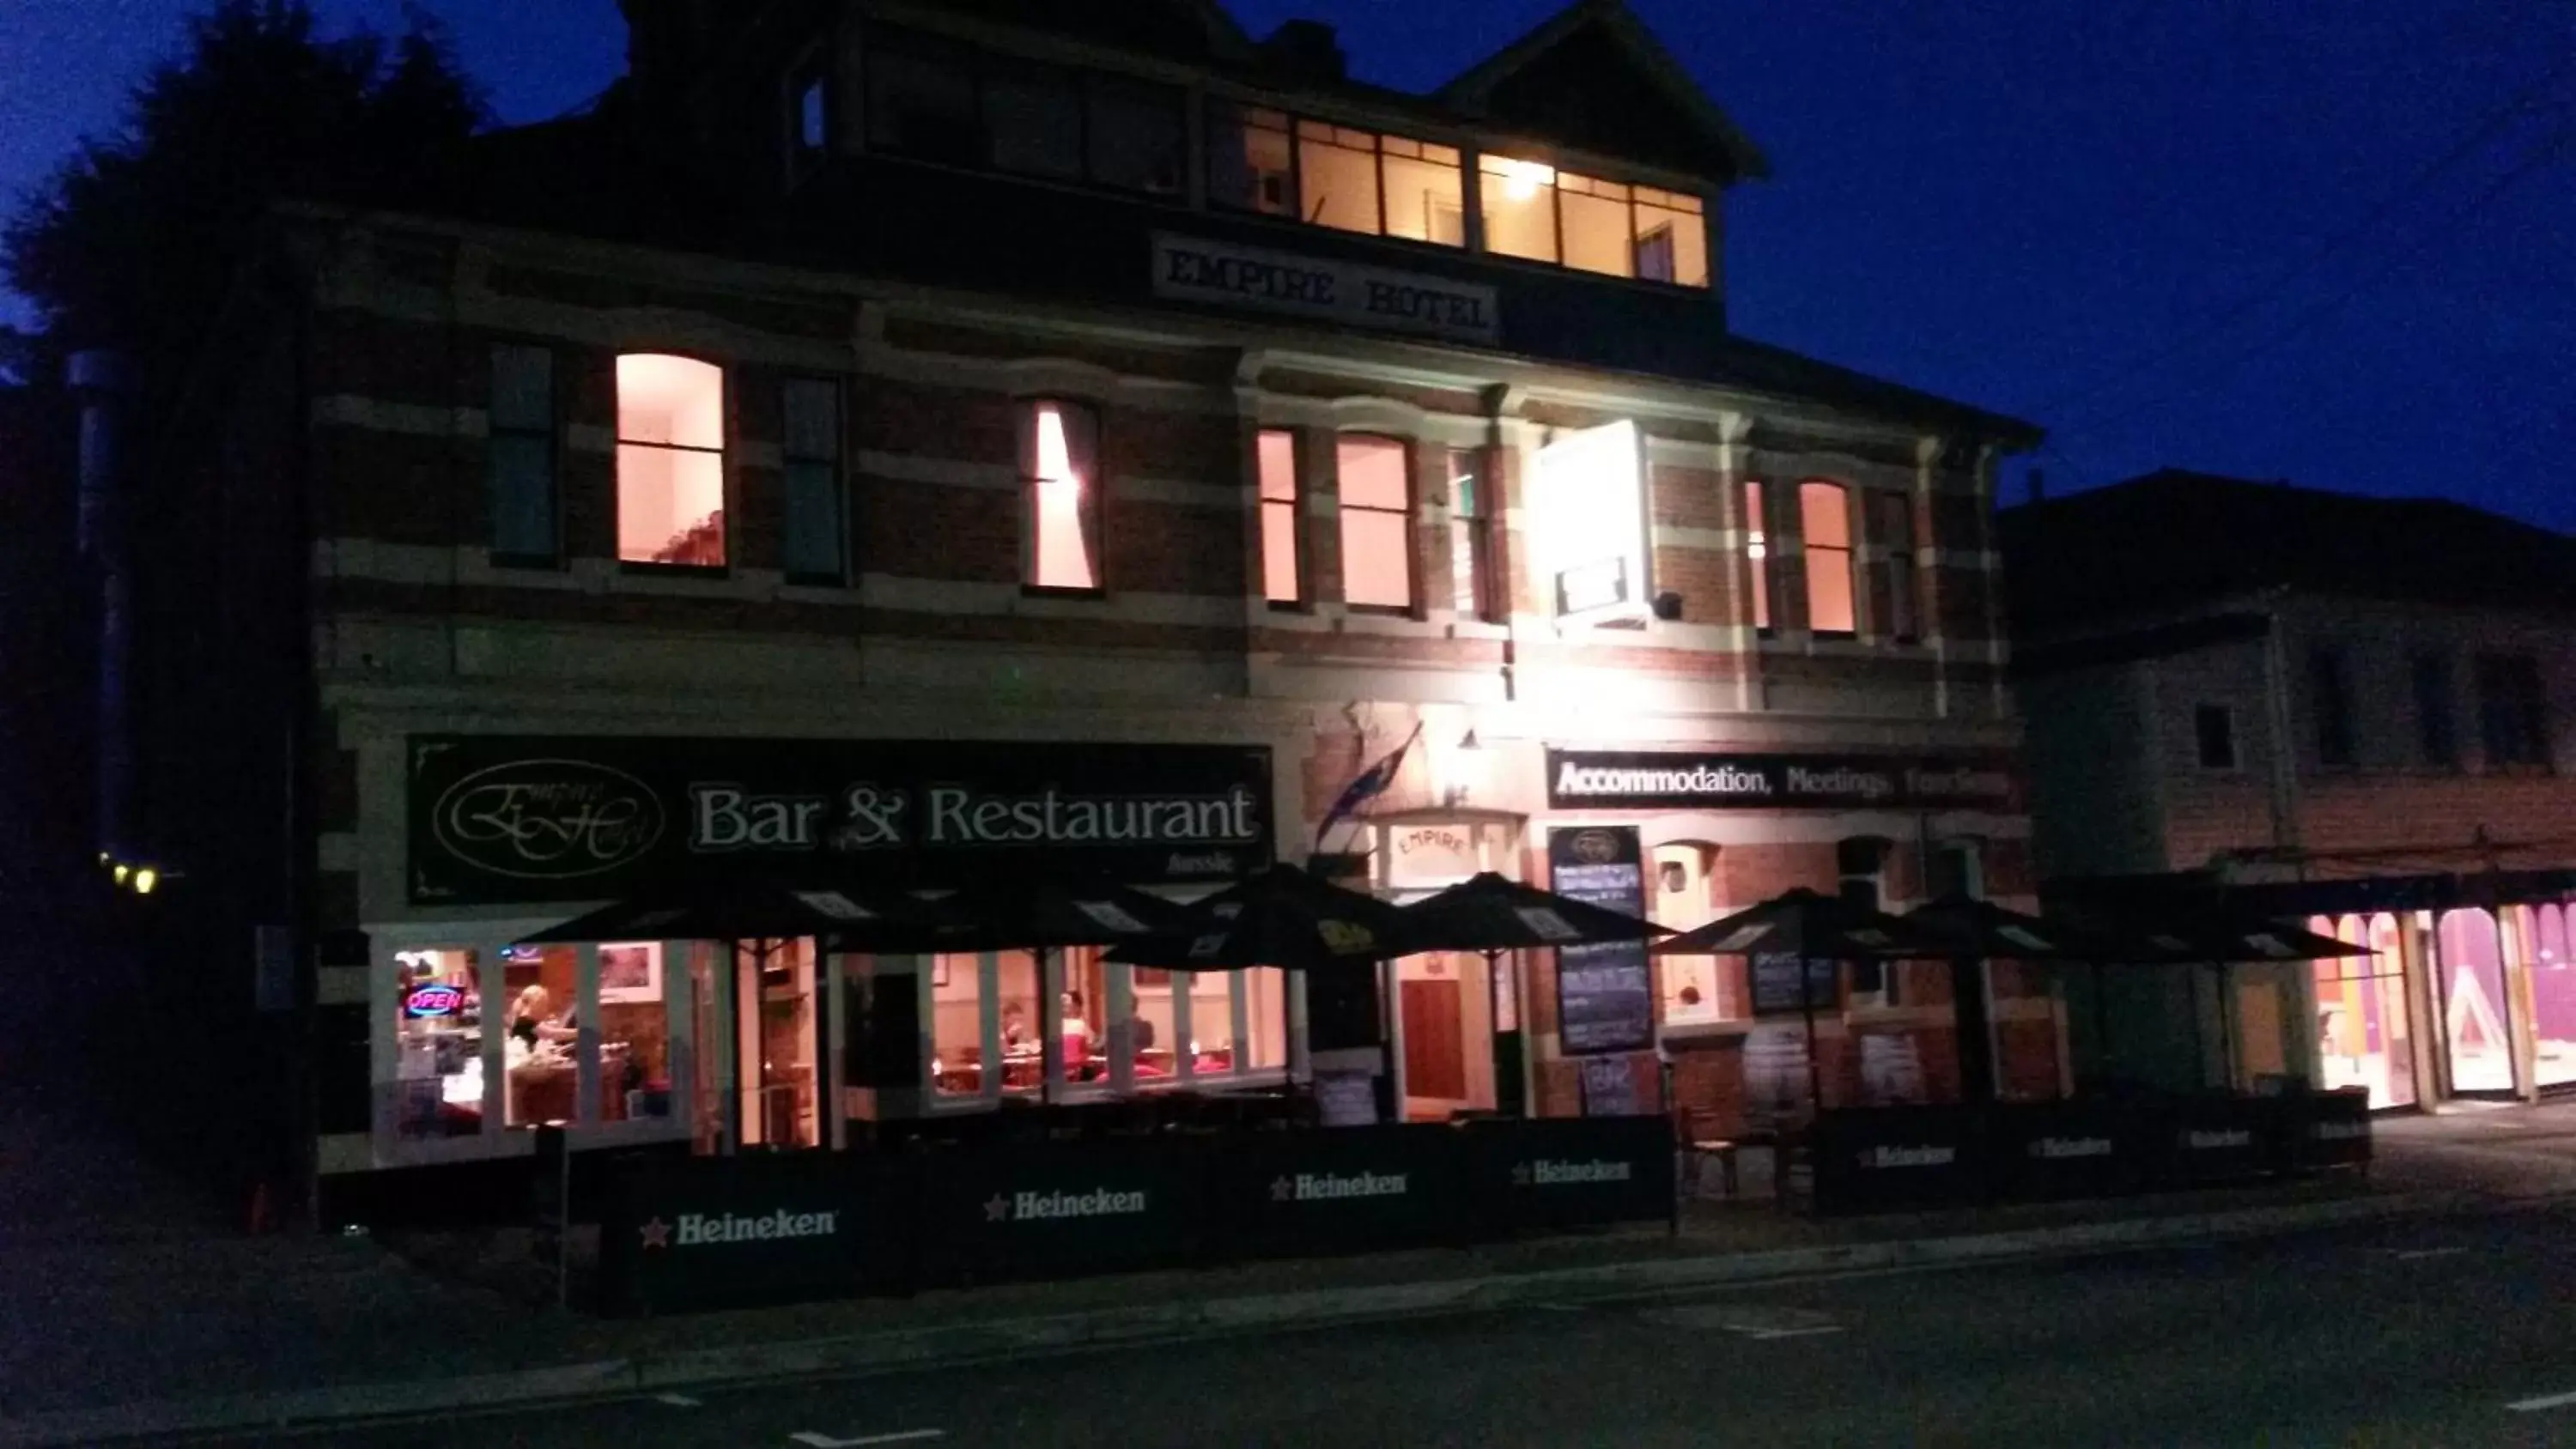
[1605, 994]
[1775, 983]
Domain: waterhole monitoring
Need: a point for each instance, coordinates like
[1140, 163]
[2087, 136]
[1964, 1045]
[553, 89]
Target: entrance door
[779, 1056]
[1447, 1035]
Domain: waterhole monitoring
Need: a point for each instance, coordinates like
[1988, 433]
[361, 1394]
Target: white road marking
[826, 1441]
[1558, 1307]
[2412, 1254]
[2548, 1401]
[679, 1401]
[1761, 1335]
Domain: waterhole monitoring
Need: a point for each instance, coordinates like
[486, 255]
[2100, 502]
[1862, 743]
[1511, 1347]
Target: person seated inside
[1015, 1027]
[534, 1031]
[1076, 1036]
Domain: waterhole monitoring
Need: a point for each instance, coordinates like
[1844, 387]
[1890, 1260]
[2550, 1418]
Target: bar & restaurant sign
[497, 819]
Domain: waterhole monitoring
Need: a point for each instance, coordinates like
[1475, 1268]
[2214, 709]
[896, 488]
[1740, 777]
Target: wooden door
[1435, 1048]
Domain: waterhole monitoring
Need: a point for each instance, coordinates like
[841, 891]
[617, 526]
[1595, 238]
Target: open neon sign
[433, 1000]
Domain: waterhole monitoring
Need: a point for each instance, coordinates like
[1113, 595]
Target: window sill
[1056, 591]
[633, 568]
[1289, 606]
[527, 562]
[1382, 611]
[815, 581]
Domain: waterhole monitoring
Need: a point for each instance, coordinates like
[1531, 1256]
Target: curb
[896, 1350]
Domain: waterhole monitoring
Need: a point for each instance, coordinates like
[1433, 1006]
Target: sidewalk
[153, 1327]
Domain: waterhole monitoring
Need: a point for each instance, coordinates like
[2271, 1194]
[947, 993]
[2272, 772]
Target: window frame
[2225, 714]
[2520, 705]
[811, 74]
[1407, 514]
[1846, 551]
[1759, 575]
[845, 567]
[727, 434]
[1472, 535]
[2331, 735]
[1876, 979]
[1093, 506]
[550, 437]
[1294, 509]
[2433, 682]
[1904, 624]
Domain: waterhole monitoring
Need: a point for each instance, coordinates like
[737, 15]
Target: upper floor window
[1252, 162]
[809, 112]
[2213, 728]
[1895, 595]
[1377, 522]
[1060, 472]
[1757, 555]
[2437, 723]
[2330, 705]
[1538, 213]
[1471, 537]
[2513, 710]
[945, 102]
[1337, 176]
[670, 461]
[522, 457]
[1281, 576]
[815, 532]
[1824, 511]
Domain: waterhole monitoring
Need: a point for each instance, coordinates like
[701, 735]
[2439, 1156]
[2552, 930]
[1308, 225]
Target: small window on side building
[2213, 727]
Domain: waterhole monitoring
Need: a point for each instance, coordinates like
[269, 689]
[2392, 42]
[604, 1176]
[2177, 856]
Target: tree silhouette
[136, 239]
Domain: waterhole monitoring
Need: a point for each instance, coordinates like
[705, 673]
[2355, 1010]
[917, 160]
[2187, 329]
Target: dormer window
[1537, 213]
[1336, 176]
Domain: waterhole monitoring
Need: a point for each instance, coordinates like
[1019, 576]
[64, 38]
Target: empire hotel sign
[497, 819]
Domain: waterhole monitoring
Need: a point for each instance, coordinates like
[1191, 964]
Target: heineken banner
[683, 1233]
[1047, 1209]
[504, 819]
[1605, 993]
[1370, 1187]
[1870, 1159]
[2064, 1149]
[2210, 1138]
[1568, 1171]
[2327, 1129]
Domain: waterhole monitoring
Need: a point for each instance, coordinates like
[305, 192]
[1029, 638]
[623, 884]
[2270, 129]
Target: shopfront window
[1377, 522]
[2363, 1037]
[957, 1049]
[438, 1044]
[670, 461]
[2474, 1006]
[541, 1027]
[1281, 517]
[634, 1034]
[1264, 1003]
[2553, 995]
[1697, 990]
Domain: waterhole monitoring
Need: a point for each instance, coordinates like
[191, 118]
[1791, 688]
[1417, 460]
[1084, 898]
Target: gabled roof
[1150, 26]
[2175, 539]
[1516, 84]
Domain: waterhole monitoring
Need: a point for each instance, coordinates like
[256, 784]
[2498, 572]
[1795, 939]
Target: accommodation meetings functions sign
[1722, 780]
[496, 819]
[1605, 993]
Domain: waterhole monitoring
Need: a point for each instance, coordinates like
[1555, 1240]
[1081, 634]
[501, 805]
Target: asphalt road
[2422, 1334]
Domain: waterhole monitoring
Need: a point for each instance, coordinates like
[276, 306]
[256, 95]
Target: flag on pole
[1374, 781]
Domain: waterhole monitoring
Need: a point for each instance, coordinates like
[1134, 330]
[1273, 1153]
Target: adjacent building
[2351, 710]
[938, 441]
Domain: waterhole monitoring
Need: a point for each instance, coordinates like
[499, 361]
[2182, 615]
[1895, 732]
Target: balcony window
[1825, 511]
[1034, 115]
[1279, 517]
[1061, 479]
[1251, 160]
[1426, 198]
[670, 461]
[1593, 221]
[1377, 522]
[1337, 176]
[1520, 208]
[1671, 238]
[1137, 140]
[921, 100]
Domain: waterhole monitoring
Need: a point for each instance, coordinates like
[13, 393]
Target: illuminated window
[1137, 140]
[1895, 600]
[1251, 164]
[670, 461]
[1471, 536]
[1060, 470]
[816, 529]
[1593, 222]
[1824, 511]
[1671, 238]
[522, 454]
[1519, 203]
[1279, 517]
[1757, 555]
[1426, 197]
[1337, 176]
[1377, 522]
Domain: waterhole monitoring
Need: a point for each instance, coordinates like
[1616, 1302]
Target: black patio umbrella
[2215, 933]
[1045, 914]
[1284, 917]
[1806, 927]
[1974, 932]
[703, 911]
[1491, 914]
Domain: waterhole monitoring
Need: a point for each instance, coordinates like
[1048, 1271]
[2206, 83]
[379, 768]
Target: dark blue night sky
[2303, 239]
